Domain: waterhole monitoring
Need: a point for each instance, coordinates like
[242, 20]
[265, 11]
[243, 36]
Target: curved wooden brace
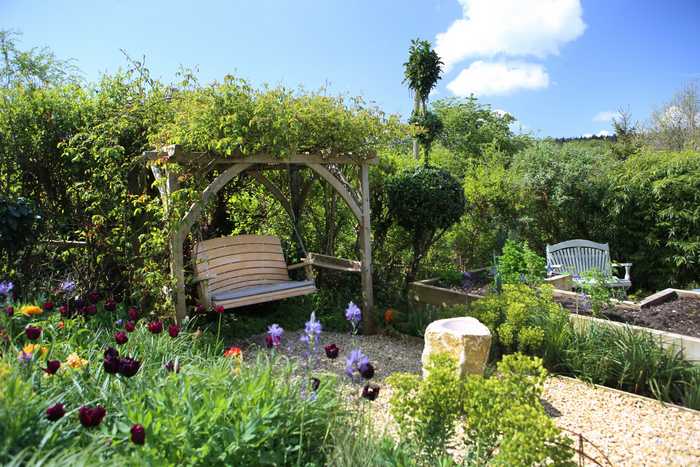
[195, 210]
[339, 187]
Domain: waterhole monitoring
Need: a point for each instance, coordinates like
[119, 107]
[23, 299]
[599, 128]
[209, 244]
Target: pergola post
[366, 247]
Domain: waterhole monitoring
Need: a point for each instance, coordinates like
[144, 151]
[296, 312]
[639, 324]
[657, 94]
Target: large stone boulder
[467, 339]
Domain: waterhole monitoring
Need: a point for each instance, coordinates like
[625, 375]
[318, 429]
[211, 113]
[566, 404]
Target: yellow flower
[74, 361]
[33, 348]
[29, 310]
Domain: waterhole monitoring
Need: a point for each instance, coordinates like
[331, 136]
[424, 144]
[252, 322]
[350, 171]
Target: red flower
[94, 297]
[370, 392]
[332, 351]
[63, 310]
[173, 330]
[218, 309]
[52, 366]
[32, 332]
[133, 313]
[138, 435]
[156, 327]
[130, 326]
[121, 337]
[232, 352]
[110, 305]
[55, 412]
[48, 306]
[111, 361]
[200, 309]
[91, 416]
[90, 310]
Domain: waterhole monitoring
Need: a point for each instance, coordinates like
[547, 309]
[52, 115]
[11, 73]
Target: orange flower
[389, 315]
[60, 325]
[233, 352]
[29, 310]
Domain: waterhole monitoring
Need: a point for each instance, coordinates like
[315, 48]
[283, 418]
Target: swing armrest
[331, 262]
[304, 262]
[203, 278]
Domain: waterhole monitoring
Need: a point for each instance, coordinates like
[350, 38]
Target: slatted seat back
[579, 256]
[233, 263]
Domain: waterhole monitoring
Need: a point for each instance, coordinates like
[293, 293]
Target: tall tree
[421, 72]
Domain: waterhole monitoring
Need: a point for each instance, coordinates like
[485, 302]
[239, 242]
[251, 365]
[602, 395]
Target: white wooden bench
[580, 256]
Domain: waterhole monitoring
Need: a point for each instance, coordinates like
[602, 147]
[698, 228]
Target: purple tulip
[90, 310]
[94, 297]
[91, 416]
[32, 332]
[110, 305]
[55, 412]
[128, 366]
[48, 306]
[52, 366]
[133, 313]
[111, 361]
[156, 327]
[10, 311]
[332, 351]
[121, 338]
[130, 326]
[174, 330]
[138, 435]
[172, 367]
[370, 392]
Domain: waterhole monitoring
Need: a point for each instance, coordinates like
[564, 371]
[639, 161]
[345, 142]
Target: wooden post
[366, 245]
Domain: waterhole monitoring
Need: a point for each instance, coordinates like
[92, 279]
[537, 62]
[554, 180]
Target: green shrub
[425, 202]
[519, 264]
[503, 420]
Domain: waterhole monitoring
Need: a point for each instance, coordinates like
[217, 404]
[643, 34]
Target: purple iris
[6, 287]
[274, 335]
[66, 286]
[353, 313]
[312, 329]
[355, 360]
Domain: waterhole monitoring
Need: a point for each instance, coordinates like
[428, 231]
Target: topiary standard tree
[421, 73]
[425, 202]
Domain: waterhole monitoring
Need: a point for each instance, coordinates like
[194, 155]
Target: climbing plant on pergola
[169, 163]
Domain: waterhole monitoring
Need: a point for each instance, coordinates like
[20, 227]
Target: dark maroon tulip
[138, 435]
[172, 366]
[111, 361]
[121, 338]
[63, 310]
[130, 326]
[128, 366]
[10, 311]
[90, 310]
[315, 383]
[110, 305]
[32, 332]
[156, 327]
[48, 306]
[133, 313]
[174, 330]
[200, 309]
[219, 309]
[366, 370]
[269, 341]
[91, 416]
[370, 392]
[55, 412]
[332, 351]
[94, 297]
[52, 366]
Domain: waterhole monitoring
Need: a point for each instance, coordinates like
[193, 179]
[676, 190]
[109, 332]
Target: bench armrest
[627, 267]
[197, 279]
[304, 262]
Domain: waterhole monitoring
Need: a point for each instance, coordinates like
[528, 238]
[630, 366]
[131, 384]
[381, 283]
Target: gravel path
[629, 430]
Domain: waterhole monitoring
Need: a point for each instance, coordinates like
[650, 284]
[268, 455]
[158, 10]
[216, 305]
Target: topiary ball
[425, 199]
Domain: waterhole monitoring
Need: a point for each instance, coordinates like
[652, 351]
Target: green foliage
[429, 127]
[596, 292]
[18, 221]
[502, 417]
[425, 202]
[213, 411]
[423, 68]
[519, 264]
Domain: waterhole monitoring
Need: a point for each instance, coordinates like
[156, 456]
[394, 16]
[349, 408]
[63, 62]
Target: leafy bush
[425, 202]
[504, 422]
[18, 219]
[518, 264]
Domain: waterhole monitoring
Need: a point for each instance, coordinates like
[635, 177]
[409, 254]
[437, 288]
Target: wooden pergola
[200, 164]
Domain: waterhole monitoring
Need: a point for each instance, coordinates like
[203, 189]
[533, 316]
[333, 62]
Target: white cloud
[600, 133]
[501, 112]
[498, 78]
[605, 116]
[510, 27]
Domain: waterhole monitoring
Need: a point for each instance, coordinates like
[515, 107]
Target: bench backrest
[242, 261]
[579, 256]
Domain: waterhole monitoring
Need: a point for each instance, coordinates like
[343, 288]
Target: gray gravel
[629, 430]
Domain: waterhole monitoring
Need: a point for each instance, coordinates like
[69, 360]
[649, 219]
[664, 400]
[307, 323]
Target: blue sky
[553, 64]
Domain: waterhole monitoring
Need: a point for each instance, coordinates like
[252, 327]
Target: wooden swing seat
[249, 269]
